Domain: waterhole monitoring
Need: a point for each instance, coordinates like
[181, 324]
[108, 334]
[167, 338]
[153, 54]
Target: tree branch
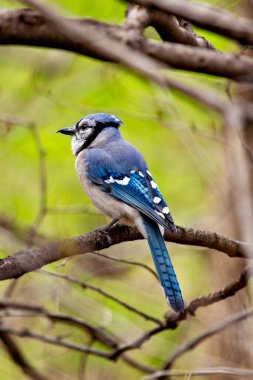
[212, 371]
[19, 359]
[126, 305]
[207, 17]
[58, 341]
[171, 321]
[27, 27]
[95, 332]
[30, 259]
[207, 334]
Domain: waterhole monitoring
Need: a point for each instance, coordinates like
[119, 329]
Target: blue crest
[105, 119]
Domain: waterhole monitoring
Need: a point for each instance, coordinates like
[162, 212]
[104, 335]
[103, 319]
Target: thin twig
[38, 311]
[86, 285]
[130, 262]
[212, 371]
[58, 341]
[207, 334]
[19, 358]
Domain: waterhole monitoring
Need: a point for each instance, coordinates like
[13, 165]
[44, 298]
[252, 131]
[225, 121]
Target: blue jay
[115, 176]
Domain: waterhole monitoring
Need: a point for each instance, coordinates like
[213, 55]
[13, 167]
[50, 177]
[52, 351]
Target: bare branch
[98, 42]
[168, 27]
[173, 319]
[171, 322]
[19, 358]
[58, 341]
[235, 66]
[228, 291]
[95, 332]
[18, 264]
[228, 371]
[130, 262]
[26, 27]
[176, 30]
[86, 285]
[207, 334]
[205, 16]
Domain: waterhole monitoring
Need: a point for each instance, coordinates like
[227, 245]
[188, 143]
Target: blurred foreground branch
[27, 27]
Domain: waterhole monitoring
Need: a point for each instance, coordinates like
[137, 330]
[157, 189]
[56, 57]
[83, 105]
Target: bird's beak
[67, 131]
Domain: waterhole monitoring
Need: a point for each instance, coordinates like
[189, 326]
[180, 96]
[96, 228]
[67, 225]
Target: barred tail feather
[163, 265]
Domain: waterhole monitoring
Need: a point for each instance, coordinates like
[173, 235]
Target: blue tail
[163, 265]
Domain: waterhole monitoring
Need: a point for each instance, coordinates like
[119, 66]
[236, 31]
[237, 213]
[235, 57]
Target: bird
[116, 177]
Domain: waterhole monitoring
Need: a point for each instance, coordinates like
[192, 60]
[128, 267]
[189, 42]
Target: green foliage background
[182, 143]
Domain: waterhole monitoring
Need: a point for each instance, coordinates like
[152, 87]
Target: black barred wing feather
[138, 190]
[159, 201]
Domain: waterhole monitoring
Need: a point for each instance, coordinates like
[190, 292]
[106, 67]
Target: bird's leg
[108, 226]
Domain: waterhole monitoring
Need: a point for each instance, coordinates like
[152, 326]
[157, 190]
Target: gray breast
[104, 202]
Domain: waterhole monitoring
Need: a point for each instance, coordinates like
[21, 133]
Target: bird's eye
[81, 126]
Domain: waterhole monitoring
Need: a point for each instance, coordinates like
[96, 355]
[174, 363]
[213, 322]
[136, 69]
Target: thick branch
[196, 59]
[98, 42]
[26, 27]
[207, 17]
[167, 26]
[31, 259]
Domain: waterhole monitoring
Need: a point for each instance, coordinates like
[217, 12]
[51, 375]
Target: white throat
[76, 144]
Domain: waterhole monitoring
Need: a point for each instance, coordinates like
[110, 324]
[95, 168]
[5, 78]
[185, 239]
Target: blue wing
[131, 182]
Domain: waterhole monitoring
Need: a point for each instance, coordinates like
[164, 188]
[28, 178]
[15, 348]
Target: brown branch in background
[207, 17]
[58, 341]
[183, 57]
[84, 361]
[96, 41]
[167, 26]
[173, 319]
[19, 358]
[28, 260]
[228, 291]
[136, 364]
[130, 262]
[86, 285]
[129, 57]
[207, 334]
[38, 311]
[171, 29]
[96, 333]
[171, 322]
[137, 19]
[27, 27]
[212, 371]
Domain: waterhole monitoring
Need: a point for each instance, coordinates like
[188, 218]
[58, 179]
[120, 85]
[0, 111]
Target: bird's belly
[105, 203]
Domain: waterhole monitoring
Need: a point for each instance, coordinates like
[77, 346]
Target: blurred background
[43, 90]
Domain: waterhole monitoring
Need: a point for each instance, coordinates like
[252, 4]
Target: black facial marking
[90, 138]
[95, 123]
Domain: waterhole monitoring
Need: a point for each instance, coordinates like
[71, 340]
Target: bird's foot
[108, 226]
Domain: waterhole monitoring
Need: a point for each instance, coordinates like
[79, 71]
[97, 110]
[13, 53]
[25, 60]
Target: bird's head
[88, 128]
